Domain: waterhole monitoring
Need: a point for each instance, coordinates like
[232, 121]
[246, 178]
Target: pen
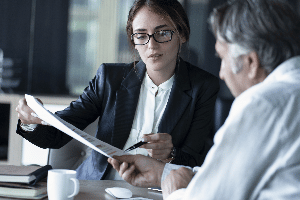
[137, 145]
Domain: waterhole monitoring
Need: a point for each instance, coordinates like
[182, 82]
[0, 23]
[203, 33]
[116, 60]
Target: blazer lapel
[126, 102]
[178, 100]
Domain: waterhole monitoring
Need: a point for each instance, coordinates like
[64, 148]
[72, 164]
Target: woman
[161, 98]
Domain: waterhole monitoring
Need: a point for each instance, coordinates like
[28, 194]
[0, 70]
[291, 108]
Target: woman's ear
[182, 39]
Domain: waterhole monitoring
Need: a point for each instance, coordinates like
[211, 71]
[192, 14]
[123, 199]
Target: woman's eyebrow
[156, 28]
[160, 26]
[140, 29]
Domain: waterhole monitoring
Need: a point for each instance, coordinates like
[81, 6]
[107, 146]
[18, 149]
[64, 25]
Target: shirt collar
[164, 86]
[287, 66]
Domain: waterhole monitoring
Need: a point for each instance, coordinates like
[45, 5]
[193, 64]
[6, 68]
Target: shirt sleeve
[28, 127]
[168, 168]
[80, 113]
[245, 154]
[285, 185]
[177, 195]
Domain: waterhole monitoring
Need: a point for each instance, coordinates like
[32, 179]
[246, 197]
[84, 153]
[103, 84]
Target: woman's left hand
[159, 145]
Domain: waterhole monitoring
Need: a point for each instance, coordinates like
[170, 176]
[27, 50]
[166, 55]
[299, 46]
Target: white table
[96, 190]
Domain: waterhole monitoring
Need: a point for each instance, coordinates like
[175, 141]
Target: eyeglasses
[158, 36]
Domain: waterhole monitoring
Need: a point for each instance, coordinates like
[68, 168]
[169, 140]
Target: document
[83, 137]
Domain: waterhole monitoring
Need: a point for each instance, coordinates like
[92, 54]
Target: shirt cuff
[177, 195]
[167, 169]
[28, 127]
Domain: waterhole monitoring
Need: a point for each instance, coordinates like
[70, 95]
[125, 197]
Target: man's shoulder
[281, 86]
[278, 94]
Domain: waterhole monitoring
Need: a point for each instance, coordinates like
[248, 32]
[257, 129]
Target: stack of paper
[26, 182]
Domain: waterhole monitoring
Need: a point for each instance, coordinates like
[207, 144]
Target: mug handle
[76, 187]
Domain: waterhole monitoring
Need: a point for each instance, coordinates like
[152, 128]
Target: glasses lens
[140, 38]
[160, 36]
[163, 36]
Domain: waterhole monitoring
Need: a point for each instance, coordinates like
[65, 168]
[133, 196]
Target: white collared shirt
[256, 152]
[150, 109]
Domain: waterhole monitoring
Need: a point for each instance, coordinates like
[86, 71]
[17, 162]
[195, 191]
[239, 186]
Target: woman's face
[158, 57]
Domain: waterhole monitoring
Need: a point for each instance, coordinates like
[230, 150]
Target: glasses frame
[149, 37]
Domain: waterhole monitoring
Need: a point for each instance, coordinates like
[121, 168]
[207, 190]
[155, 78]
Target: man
[256, 154]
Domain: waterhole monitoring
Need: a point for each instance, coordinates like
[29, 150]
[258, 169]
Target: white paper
[94, 143]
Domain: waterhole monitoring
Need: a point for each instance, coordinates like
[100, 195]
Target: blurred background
[56, 46]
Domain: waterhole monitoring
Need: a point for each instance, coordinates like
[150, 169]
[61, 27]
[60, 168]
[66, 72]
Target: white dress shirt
[256, 154]
[151, 106]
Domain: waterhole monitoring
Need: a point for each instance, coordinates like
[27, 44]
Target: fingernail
[33, 114]
[45, 123]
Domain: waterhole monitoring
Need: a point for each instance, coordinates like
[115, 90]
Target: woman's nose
[152, 43]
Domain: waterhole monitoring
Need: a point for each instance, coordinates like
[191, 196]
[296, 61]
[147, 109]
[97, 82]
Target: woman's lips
[155, 56]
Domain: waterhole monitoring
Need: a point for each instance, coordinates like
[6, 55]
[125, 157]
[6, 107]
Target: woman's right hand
[26, 114]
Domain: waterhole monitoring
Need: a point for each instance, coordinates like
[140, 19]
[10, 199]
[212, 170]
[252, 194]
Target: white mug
[62, 184]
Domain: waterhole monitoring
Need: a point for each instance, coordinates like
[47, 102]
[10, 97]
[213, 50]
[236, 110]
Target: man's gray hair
[235, 51]
[271, 28]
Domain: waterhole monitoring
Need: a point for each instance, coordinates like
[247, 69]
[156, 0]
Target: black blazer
[113, 95]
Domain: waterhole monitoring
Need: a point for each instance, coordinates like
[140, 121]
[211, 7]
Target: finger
[113, 160]
[125, 158]
[128, 174]
[24, 113]
[22, 106]
[157, 137]
[115, 164]
[147, 137]
[150, 134]
[45, 123]
[110, 161]
[123, 168]
[149, 152]
[160, 154]
[158, 145]
[22, 102]
[39, 119]
[27, 119]
[34, 115]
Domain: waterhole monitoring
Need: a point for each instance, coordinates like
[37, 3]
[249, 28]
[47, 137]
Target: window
[97, 35]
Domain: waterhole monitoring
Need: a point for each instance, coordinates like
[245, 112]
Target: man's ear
[252, 61]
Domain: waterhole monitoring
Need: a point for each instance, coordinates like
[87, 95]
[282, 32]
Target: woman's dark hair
[171, 9]
[271, 28]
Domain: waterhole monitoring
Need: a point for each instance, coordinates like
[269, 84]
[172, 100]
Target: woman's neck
[159, 77]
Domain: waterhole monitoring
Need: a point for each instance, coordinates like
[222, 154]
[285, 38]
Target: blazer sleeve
[197, 140]
[80, 113]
